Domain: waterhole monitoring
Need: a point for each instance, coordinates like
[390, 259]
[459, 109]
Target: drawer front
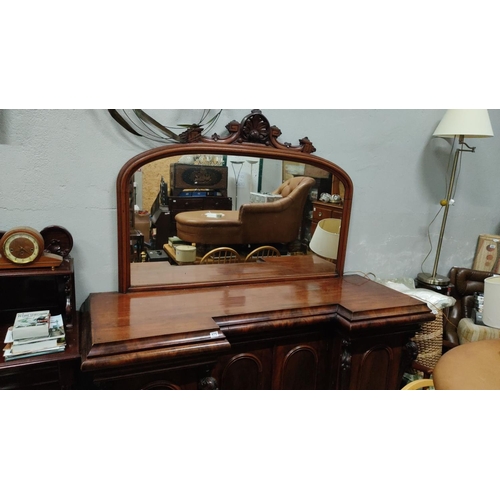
[45, 376]
[179, 205]
[320, 213]
[187, 204]
[219, 203]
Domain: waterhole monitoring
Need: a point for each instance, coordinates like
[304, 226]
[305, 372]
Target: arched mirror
[243, 190]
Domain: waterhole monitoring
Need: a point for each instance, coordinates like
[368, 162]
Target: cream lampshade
[325, 240]
[465, 122]
[491, 306]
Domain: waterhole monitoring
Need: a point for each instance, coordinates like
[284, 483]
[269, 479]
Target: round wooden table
[471, 366]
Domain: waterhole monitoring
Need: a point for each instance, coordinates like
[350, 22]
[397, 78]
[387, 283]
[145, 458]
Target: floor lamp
[461, 124]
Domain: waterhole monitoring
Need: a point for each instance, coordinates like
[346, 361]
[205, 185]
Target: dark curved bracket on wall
[149, 128]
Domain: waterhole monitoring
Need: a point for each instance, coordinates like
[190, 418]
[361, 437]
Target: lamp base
[436, 280]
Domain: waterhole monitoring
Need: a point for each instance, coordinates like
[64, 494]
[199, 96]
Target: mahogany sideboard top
[121, 330]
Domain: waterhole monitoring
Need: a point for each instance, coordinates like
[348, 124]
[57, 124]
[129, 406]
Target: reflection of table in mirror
[170, 250]
[144, 273]
[273, 269]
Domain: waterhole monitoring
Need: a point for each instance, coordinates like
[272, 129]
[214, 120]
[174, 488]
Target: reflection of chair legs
[423, 383]
[265, 251]
[222, 255]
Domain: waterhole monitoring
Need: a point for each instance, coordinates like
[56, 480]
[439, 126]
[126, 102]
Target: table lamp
[491, 306]
[325, 240]
[461, 123]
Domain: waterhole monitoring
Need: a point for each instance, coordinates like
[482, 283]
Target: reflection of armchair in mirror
[269, 164]
[256, 223]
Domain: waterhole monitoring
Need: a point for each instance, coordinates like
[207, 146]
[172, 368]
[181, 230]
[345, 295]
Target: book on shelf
[8, 356]
[28, 325]
[54, 341]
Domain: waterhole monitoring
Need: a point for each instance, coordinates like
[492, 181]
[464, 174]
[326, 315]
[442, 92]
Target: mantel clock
[25, 247]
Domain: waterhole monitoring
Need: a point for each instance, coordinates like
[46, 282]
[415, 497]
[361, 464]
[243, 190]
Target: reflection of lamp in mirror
[461, 123]
[236, 179]
[325, 240]
[252, 163]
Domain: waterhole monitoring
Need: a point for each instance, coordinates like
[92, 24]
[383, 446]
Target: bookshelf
[32, 289]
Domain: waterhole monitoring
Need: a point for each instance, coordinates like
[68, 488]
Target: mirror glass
[164, 193]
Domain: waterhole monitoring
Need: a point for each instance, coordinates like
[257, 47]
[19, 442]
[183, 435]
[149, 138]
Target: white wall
[60, 166]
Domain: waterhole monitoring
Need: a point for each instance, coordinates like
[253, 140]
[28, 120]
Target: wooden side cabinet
[32, 289]
[322, 211]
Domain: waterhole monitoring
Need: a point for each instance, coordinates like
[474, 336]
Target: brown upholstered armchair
[465, 283]
[255, 223]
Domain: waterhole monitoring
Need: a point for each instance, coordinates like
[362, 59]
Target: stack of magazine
[33, 334]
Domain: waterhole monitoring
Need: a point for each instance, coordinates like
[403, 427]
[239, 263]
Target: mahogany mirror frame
[252, 137]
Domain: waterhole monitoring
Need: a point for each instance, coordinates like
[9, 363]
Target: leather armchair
[465, 283]
[254, 223]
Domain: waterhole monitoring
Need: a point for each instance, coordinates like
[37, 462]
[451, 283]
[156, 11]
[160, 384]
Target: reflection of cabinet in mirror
[322, 211]
[287, 322]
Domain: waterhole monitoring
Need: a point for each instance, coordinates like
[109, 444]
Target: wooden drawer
[185, 204]
[320, 213]
[325, 211]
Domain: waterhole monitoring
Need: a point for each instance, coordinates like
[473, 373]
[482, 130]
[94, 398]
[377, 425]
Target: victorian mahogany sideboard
[322, 332]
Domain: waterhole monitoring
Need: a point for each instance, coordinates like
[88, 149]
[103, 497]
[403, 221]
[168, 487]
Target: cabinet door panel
[245, 370]
[372, 365]
[300, 365]
[375, 368]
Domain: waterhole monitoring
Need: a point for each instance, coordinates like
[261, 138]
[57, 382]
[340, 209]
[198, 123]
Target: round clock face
[21, 245]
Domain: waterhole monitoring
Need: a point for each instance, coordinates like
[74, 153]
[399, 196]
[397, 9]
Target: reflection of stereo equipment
[197, 177]
[157, 255]
[193, 193]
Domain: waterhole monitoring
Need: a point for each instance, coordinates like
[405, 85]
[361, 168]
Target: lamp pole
[434, 278]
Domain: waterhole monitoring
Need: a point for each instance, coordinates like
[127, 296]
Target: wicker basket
[429, 341]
